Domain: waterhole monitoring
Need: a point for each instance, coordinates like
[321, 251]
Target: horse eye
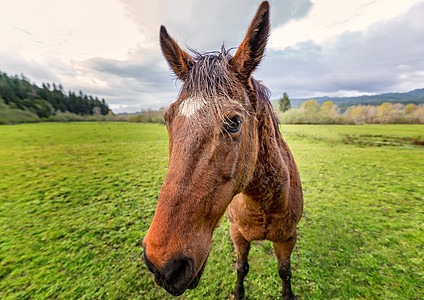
[233, 125]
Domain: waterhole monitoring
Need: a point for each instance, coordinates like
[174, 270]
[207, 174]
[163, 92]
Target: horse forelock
[211, 83]
[210, 76]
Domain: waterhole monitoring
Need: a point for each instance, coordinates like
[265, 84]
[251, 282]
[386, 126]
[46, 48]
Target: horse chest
[256, 222]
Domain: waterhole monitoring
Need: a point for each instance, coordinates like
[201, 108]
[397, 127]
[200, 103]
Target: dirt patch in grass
[381, 140]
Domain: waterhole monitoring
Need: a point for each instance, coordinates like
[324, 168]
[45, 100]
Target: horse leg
[242, 249]
[283, 251]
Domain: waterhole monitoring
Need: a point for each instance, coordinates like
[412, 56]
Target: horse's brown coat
[249, 173]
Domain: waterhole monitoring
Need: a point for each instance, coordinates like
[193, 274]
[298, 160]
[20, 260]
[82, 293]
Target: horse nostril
[149, 264]
[178, 273]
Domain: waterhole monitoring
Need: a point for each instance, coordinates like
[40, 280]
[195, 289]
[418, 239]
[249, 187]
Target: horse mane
[262, 95]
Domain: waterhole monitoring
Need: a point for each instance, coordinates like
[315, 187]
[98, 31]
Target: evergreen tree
[284, 103]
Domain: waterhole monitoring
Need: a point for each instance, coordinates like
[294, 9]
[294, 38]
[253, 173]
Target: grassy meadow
[76, 199]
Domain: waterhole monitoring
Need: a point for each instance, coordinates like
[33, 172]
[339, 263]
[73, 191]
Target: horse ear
[251, 50]
[178, 60]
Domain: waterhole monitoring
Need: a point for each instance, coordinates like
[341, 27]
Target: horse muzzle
[177, 275]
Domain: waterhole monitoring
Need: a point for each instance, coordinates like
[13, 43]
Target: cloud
[203, 25]
[146, 84]
[329, 18]
[388, 56]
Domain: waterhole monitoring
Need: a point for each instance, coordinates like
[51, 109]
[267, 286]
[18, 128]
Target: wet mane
[211, 78]
[262, 96]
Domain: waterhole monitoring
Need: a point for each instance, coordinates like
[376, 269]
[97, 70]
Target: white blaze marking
[191, 105]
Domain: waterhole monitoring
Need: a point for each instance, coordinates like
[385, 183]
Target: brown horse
[226, 153]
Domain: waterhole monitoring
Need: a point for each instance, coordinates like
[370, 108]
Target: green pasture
[76, 199]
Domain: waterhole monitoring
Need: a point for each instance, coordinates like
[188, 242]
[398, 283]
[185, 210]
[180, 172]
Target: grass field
[76, 199]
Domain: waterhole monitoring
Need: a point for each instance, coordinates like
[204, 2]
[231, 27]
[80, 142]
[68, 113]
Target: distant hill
[415, 97]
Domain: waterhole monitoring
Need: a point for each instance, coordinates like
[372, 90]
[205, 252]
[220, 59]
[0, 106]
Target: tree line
[46, 101]
[310, 112]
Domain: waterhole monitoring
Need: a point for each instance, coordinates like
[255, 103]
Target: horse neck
[271, 176]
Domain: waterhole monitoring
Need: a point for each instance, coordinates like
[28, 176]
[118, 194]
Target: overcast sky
[109, 48]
